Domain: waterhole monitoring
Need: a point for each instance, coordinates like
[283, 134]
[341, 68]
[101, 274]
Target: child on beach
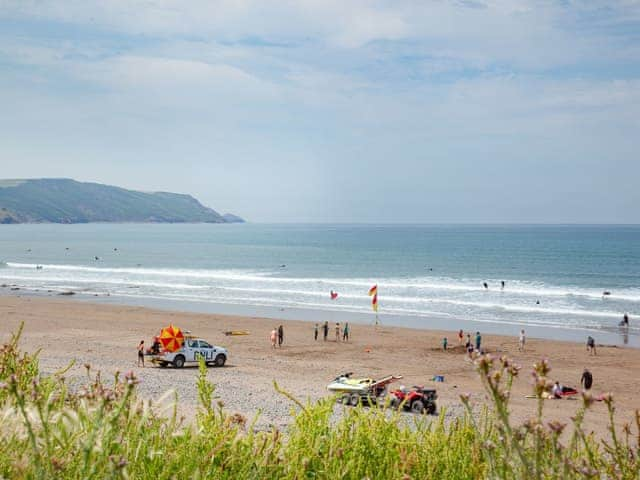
[274, 337]
[337, 331]
[460, 336]
[141, 353]
[444, 344]
[591, 345]
[280, 335]
[325, 330]
[315, 332]
[345, 332]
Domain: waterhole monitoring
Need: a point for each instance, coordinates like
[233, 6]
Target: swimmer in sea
[625, 320]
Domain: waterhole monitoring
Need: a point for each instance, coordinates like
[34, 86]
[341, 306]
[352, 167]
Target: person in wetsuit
[586, 380]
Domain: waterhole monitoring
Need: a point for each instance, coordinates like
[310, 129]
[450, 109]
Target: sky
[467, 111]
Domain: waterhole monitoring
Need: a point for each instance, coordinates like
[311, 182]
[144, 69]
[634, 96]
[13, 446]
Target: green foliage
[104, 430]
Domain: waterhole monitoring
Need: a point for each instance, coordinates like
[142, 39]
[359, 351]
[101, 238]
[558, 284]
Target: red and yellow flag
[373, 292]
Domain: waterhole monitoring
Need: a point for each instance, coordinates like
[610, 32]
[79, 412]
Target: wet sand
[106, 336]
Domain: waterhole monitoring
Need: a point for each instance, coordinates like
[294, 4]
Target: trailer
[363, 391]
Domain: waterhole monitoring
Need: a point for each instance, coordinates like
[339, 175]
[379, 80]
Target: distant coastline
[67, 201]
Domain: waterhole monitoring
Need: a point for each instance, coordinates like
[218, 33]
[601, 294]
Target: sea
[428, 276]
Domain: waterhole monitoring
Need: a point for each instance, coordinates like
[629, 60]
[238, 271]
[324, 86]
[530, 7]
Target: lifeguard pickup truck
[192, 349]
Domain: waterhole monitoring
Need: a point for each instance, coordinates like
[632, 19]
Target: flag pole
[373, 292]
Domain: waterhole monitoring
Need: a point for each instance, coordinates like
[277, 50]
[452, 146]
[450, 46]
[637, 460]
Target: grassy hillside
[69, 201]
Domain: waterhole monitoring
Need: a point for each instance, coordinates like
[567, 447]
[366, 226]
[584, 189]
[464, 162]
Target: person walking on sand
[325, 330]
[337, 331]
[478, 341]
[586, 380]
[591, 345]
[521, 341]
[345, 332]
[460, 336]
[315, 332]
[141, 353]
[274, 337]
[280, 336]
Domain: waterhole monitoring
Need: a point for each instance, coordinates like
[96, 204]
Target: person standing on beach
[460, 336]
[591, 345]
[274, 337]
[141, 353]
[444, 343]
[521, 341]
[478, 341]
[345, 332]
[337, 331]
[280, 335]
[325, 330]
[587, 380]
[315, 332]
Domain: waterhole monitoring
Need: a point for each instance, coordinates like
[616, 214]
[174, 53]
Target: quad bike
[416, 400]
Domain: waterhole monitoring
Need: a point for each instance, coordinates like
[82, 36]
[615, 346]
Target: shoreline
[610, 336]
[105, 336]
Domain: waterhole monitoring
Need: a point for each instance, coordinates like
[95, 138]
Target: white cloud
[130, 71]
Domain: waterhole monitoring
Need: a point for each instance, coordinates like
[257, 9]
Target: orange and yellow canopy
[171, 338]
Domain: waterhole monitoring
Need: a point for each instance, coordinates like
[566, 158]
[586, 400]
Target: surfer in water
[485, 285]
[625, 321]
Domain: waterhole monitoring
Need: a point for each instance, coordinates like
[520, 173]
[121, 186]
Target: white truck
[192, 349]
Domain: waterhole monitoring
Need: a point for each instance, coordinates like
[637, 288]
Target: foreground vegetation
[103, 430]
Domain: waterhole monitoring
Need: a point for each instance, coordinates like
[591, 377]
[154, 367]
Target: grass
[104, 430]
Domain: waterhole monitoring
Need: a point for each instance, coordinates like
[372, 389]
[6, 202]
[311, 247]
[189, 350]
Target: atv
[416, 400]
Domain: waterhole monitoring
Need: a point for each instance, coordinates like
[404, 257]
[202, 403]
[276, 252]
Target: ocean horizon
[428, 275]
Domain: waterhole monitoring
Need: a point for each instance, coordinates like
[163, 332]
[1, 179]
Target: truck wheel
[394, 403]
[354, 399]
[417, 406]
[178, 362]
[431, 409]
[220, 359]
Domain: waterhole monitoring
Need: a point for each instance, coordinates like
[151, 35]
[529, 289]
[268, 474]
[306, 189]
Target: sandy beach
[106, 336]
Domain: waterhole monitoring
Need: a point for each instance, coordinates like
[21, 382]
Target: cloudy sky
[333, 110]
